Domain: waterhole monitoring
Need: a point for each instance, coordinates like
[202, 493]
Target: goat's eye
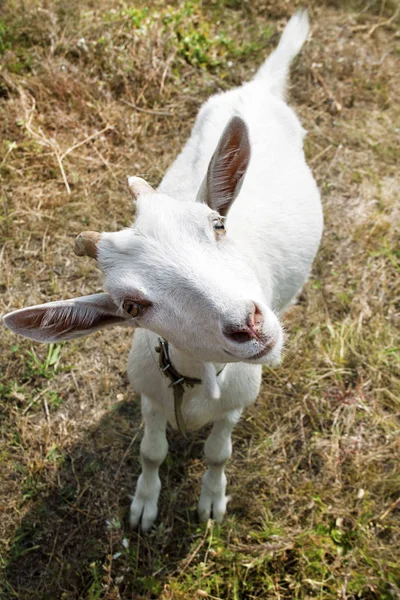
[132, 308]
[218, 226]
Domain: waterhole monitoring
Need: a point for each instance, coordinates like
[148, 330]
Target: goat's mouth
[262, 353]
[267, 348]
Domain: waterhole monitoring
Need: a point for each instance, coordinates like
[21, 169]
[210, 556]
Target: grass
[92, 92]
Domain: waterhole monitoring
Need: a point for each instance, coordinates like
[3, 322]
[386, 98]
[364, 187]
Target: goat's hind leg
[217, 449]
[153, 450]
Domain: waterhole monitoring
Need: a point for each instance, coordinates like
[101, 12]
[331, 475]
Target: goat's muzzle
[86, 243]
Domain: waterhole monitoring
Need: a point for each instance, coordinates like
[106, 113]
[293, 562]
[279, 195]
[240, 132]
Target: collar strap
[168, 369]
[178, 381]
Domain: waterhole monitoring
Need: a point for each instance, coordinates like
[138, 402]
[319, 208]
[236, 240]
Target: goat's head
[176, 272]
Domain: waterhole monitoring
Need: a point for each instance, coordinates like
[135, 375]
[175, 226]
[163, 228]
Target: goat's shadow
[76, 542]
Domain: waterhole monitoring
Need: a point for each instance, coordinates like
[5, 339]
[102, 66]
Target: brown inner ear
[29, 319]
[228, 166]
[62, 320]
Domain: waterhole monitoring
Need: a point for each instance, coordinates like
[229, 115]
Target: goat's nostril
[240, 337]
[251, 328]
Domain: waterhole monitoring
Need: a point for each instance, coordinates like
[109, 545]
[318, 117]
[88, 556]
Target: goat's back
[277, 217]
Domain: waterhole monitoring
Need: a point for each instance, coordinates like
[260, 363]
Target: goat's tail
[275, 69]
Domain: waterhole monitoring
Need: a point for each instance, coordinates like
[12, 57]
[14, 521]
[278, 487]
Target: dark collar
[168, 369]
[178, 382]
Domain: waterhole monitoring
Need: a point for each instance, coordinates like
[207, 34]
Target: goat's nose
[250, 329]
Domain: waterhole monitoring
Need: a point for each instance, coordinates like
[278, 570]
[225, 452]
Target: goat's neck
[190, 367]
[187, 365]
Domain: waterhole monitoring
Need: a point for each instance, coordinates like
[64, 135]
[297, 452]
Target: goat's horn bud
[86, 243]
[138, 186]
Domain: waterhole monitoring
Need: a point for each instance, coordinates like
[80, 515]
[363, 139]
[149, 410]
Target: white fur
[203, 286]
[276, 223]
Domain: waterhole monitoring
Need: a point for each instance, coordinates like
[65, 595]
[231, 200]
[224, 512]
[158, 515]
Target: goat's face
[176, 272]
[180, 275]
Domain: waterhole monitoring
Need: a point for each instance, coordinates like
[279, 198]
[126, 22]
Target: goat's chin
[273, 359]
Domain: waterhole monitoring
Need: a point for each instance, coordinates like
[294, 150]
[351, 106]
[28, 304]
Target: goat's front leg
[153, 450]
[217, 449]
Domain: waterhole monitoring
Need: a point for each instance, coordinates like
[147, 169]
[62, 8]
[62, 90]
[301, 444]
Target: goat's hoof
[212, 506]
[144, 512]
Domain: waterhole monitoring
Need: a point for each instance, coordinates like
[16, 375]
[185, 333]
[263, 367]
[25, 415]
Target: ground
[91, 92]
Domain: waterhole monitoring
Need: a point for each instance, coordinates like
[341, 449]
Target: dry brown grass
[314, 477]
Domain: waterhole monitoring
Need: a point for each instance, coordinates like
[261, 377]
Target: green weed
[47, 368]
[4, 42]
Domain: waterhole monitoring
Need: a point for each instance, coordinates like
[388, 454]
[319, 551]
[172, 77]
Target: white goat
[214, 256]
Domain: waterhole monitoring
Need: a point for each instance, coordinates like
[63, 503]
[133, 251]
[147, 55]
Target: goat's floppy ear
[227, 167]
[65, 320]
